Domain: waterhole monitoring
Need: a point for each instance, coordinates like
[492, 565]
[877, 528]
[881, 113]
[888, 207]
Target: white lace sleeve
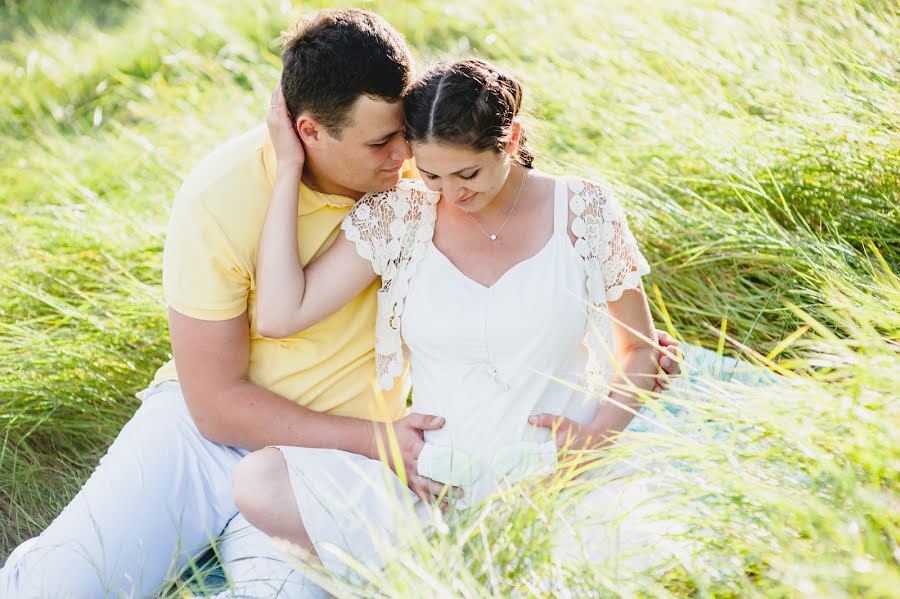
[390, 229]
[612, 265]
[611, 254]
[367, 226]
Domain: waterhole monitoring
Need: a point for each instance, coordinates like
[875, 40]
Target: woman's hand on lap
[567, 433]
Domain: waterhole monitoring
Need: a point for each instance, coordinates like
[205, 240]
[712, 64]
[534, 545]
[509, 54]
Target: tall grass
[757, 150]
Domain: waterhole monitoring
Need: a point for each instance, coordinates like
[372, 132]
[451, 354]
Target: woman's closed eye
[431, 177]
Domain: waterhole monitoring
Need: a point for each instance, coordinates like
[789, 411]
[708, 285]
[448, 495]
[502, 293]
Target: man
[163, 491]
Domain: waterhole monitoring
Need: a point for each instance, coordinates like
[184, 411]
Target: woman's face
[469, 179]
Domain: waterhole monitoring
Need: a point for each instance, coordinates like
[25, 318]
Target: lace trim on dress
[613, 264]
[391, 229]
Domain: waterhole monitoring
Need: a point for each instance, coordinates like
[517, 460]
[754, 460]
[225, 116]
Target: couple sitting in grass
[300, 265]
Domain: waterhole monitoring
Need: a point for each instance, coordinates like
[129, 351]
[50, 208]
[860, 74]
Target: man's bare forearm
[246, 415]
[212, 360]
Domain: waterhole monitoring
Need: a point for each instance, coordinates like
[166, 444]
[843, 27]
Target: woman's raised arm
[289, 299]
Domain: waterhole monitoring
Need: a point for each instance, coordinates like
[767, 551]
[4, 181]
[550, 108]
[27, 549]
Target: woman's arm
[636, 367]
[636, 349]
[289, 299]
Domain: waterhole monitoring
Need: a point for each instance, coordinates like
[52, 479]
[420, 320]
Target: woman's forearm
[637, 376]
[280, 278]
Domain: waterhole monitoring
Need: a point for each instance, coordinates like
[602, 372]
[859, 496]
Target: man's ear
[308, 129]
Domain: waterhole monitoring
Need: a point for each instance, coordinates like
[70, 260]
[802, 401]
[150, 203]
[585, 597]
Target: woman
[513, 290]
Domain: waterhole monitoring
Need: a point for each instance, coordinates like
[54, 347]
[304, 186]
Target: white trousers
[158, 498]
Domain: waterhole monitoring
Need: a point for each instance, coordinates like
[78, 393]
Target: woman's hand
[290, 297]
[568, 433]
[282, 130]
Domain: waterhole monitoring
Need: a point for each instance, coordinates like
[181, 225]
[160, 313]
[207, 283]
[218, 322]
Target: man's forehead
[372, 118]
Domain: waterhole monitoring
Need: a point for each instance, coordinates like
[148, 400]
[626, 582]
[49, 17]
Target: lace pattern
[391, 230]
[613, 264]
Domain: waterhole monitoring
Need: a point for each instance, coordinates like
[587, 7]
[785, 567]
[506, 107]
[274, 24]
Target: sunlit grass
[756, 148]
[782, 489]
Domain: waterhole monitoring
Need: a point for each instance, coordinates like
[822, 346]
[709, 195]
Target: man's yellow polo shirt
[209, 273]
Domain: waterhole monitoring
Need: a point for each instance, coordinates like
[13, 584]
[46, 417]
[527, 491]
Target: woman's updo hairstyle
[468, 103]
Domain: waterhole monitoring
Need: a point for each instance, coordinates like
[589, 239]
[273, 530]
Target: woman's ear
[515, 134]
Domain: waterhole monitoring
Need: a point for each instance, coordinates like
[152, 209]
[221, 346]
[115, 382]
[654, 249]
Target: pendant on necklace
[493, 238]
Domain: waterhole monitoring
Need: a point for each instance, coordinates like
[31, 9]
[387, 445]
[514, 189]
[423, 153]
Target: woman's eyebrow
[459, 172]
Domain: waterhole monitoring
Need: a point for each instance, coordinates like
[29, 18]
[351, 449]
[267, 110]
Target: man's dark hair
[334, 57]
[470, 103]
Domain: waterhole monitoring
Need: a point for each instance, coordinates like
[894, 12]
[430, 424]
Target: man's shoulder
[228, 191]
[235, 171]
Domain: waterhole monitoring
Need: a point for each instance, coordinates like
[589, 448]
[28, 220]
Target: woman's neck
[509, 194]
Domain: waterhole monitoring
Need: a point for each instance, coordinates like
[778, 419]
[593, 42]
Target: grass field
[756, 145]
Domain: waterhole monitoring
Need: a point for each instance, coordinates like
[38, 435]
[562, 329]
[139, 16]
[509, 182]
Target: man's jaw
[388, 179]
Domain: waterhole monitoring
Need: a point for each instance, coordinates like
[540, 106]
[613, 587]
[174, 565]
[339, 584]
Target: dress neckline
[559, 204]
[515, 266]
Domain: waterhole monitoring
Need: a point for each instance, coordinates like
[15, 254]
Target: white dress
[485, 358]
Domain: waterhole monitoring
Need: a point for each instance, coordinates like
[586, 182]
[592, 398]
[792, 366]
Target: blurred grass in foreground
[756, 147]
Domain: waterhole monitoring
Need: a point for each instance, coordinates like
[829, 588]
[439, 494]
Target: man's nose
[401, 150]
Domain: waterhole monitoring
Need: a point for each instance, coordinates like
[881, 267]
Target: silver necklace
[493, 237]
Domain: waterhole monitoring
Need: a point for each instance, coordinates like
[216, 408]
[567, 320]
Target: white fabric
[392, 229]
[159, 496]
[350, 505]
[257, 569]
[612, 264]
[485, 358]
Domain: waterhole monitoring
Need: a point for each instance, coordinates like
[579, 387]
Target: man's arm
[212, 361]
